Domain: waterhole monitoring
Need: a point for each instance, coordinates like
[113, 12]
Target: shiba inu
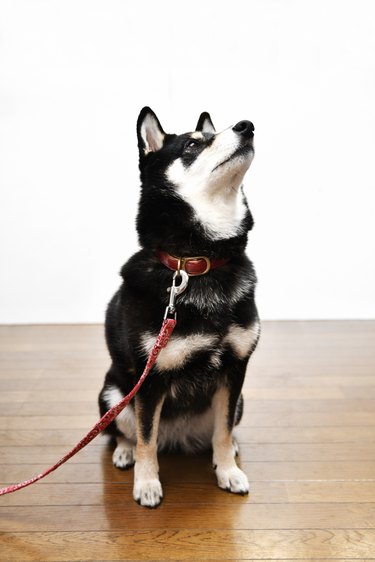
[193, 216]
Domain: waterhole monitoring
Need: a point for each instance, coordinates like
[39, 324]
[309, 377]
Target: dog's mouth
[243, 150]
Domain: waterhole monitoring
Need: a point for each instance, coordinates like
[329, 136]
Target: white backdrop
[74, 75]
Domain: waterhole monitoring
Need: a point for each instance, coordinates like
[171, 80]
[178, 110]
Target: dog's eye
[191, 143]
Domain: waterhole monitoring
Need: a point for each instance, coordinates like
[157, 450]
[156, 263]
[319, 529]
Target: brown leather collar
[197, 265]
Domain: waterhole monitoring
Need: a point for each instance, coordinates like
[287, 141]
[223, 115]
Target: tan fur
[147, 488]
[229, 476]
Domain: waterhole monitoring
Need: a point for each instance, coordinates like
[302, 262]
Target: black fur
[165, 221]
[204, 118]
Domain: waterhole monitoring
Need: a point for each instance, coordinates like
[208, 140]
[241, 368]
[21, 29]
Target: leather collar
[194, 265]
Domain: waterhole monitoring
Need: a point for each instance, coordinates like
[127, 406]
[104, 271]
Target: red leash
[162, 340]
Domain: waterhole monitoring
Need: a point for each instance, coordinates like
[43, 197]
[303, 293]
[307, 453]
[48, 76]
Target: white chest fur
[180, 349]
[241, 339]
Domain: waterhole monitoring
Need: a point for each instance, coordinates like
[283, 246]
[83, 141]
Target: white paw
[233, 480]
[123, 456]
[148, 493]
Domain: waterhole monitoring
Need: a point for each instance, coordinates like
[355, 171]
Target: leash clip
[174, 291]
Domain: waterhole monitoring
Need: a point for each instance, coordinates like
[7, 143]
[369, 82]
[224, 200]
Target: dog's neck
[193, 265]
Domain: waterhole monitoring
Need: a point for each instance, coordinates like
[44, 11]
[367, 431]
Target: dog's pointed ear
[205, 124]
[150, 133]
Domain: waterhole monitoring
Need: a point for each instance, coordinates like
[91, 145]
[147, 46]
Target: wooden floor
[307, 444]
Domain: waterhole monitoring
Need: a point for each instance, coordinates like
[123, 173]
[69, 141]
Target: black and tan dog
[192, 204]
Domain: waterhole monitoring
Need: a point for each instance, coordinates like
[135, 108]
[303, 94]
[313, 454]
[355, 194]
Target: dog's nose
[245, 128]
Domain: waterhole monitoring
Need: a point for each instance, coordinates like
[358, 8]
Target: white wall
[73, 77]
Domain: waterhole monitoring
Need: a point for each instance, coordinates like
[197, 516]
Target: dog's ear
[150, 133]
[205, 124]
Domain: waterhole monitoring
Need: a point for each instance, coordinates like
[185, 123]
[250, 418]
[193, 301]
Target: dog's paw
[148, 493]
[123, 456]
[233, 480]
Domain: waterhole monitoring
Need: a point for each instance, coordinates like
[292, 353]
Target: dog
[193, 215]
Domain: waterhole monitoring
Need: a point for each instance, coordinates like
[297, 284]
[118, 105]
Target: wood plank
[54, 492]
[271, 407]
[50, 396]
[126, 516]
[50, 384]
[296, 381]
[76, 421]
[296, 452]
[51, 409]
[288, 452]
[189, 544]
[79, 383]
[332, 419]
[29, 370]
[312, 406]
[343, 434]
[298, 393]
[299, 435]
[250, 419]
[257, 393]
[69, 364]
[187, 469]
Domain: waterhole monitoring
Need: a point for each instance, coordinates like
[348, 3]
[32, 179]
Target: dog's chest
[182, 349]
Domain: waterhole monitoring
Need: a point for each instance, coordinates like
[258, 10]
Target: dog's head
[205, 169]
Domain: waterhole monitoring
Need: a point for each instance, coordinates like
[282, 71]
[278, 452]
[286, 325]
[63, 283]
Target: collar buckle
[183, 261]
[192, 265]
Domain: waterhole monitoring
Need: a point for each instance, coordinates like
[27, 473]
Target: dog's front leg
[229, 476]
[147, 488]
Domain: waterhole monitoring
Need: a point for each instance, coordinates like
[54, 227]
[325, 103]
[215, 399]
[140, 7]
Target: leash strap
[162, 340]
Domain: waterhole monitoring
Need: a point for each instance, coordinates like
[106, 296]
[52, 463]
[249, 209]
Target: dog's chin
[240, 158]
[230, 172]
